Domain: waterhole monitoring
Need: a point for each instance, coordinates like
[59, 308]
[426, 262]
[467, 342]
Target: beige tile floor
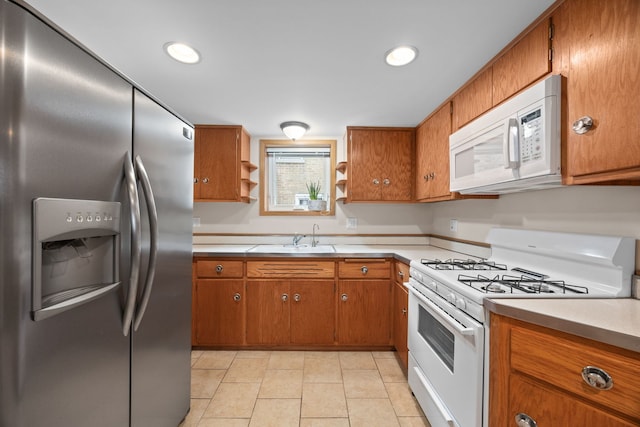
[300, 388]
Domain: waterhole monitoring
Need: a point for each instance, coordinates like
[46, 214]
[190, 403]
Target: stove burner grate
[512, 284]
[463, 264]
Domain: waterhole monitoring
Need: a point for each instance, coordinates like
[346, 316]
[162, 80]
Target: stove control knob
[451, 298]
[461, 303]
[433, 285]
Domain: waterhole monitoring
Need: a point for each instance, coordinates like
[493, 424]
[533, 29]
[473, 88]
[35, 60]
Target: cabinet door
[218, 162]
[473, 100]
[398, 166]
[603, 84]
[400, 304]
[219, 309]
[366, 149]
[432, 155]
[312, 312]
[364, 316]
[268, 305]
[524, 63]
[380, 164]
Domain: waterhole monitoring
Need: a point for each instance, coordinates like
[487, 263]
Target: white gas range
[448, 334]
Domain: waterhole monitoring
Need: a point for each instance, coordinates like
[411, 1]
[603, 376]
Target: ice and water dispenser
[76, 253]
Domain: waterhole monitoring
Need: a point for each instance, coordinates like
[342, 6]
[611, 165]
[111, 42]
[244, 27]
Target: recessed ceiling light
[401, 55]
[182, 52]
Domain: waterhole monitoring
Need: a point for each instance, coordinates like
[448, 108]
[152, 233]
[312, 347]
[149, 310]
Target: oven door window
[439, 338]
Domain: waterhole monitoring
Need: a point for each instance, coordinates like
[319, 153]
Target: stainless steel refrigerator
[95, 239]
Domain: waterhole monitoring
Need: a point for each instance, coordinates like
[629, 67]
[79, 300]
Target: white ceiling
[321, 62]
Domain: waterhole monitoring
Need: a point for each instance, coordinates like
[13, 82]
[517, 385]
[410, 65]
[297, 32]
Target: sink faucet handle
[296, 238]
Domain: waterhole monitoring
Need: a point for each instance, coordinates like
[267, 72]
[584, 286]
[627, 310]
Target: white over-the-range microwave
[514, 147]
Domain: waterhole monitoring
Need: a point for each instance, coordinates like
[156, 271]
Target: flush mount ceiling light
[294, 130]
[182, 52]
[401, 55]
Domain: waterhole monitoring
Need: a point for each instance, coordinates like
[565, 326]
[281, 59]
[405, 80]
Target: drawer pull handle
[236, 297]
[219, 268]
[205, 180]
[296, 297]
[524, 420]
[344, 297]
[597, 378]
[284, 297]
[364, 269]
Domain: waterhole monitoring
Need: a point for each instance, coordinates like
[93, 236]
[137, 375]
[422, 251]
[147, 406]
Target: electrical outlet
[352, 223]
[453, 225]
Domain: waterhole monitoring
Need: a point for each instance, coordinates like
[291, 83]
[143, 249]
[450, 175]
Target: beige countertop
[404, 253]
[611, 321]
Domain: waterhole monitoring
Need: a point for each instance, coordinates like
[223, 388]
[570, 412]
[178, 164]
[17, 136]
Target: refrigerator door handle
[136, 240]
[153, 240]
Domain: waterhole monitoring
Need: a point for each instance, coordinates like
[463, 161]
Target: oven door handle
[443, 315]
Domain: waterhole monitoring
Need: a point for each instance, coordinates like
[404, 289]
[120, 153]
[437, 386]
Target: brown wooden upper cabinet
[380, 164]
[432, 156]
[603, 114]
[221, 164]
[522, 64]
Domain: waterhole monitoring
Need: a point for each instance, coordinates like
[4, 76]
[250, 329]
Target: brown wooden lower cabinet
[220, 308]
[290, 312]
[536, 374]
[400, 312]
[306, 303]
[364, 312]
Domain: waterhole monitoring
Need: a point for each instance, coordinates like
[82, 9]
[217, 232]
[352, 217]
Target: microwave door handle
[511, 145]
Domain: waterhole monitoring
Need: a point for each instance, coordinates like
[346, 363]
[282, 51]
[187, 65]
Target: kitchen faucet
[296, 238]
[314, 242]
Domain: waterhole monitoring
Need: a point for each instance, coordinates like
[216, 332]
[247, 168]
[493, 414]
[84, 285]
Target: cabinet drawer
[295, 269]
[558, 359]
[401, 272]
[373, 268]
[218, 268]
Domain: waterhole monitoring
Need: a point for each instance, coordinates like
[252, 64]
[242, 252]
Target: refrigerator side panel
[65, 126]
[160, 361]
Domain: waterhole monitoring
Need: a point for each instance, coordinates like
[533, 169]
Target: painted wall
[582, 209]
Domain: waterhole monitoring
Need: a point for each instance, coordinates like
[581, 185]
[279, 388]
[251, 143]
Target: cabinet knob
[364, 269]
[426, 177]
[344, 297]
[386, 181]
[432, 175]
[376, 181]
[296, 297]
[195, 180]
[219, 268]
[236, 297]
[582, 125]
[284, 297]
[401, 273]
[404, 311]
[524, 420]
[597, 378]
[205, 180]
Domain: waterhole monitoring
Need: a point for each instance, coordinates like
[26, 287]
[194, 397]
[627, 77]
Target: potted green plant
[315, 204]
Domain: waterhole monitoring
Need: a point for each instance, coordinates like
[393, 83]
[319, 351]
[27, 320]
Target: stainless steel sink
[291, 249]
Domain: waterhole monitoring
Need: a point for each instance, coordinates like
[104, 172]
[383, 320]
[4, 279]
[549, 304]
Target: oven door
[446, 367]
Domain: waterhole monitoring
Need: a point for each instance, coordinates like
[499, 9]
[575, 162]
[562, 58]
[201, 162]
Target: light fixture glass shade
[182, 52]
[294, 130]
[401, 55]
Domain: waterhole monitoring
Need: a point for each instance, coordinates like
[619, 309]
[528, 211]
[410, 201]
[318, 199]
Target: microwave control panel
[531, 136]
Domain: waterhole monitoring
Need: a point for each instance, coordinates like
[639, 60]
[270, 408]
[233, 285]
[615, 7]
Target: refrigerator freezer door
[65, 125]
[160, 361]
